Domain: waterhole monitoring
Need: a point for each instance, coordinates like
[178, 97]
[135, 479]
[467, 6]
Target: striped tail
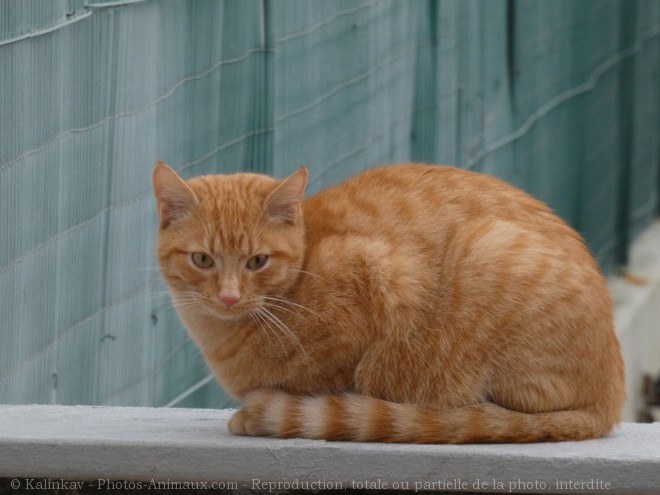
[353, 417]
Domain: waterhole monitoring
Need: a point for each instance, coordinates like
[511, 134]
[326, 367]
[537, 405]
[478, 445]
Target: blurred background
[560, 98]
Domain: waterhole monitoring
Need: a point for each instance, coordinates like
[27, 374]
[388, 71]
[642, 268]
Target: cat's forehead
[245, 187]
[239, 195]
[231, 209]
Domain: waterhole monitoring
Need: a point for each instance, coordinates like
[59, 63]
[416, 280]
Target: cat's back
[438, 227]
[422, 200]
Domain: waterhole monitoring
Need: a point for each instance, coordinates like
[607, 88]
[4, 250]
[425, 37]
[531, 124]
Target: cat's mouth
[259, 310]
[236, 312]
[228, 314]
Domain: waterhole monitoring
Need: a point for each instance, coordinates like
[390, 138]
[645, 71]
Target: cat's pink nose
[229, 299]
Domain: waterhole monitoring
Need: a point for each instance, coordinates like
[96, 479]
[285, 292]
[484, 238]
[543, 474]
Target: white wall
[637, 315]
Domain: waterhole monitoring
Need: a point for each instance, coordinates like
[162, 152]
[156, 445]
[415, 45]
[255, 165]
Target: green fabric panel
[564, 47]
[27, 18]
[560, 98]
[645, 118]
[89, 107]
[353, 58]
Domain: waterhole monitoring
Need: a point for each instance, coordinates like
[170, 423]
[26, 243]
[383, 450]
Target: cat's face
[229, 246]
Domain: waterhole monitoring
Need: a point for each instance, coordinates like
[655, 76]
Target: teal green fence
[559, 97]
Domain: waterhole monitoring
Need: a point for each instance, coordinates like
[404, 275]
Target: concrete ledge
[145, 444]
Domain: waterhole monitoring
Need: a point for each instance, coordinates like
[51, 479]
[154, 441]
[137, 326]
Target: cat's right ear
[174, 198]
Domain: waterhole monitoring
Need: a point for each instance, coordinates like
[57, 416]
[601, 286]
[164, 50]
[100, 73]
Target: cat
[410, 303]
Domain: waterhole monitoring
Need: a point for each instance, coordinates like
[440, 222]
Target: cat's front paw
[238, 423]
[254, 418]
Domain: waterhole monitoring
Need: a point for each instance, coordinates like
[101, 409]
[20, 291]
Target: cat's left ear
[284, 202]
[174, 197]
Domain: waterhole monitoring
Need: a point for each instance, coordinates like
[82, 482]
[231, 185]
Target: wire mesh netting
[560, 98]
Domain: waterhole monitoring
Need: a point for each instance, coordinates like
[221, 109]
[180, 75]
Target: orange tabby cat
[410, 303]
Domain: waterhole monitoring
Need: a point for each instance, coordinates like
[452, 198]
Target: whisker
[268, 319]
[265, 320]
[285, 330]
[312, 274]
[254, 319]
[282, 308]
[190, 305]
[256, 224]
[184, 302]
[263, 227]
[287, 301]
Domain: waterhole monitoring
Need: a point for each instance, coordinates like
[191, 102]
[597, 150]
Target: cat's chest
[248, 357]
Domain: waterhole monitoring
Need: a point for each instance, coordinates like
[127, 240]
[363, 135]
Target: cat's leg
[532, 383]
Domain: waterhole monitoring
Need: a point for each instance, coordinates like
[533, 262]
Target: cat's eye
[257, 262]
[201, 260]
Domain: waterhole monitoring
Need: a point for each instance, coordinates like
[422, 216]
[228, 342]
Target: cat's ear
[284, 202]
[174, 198]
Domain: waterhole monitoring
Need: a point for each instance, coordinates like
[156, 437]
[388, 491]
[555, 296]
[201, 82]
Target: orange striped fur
[410, 303]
